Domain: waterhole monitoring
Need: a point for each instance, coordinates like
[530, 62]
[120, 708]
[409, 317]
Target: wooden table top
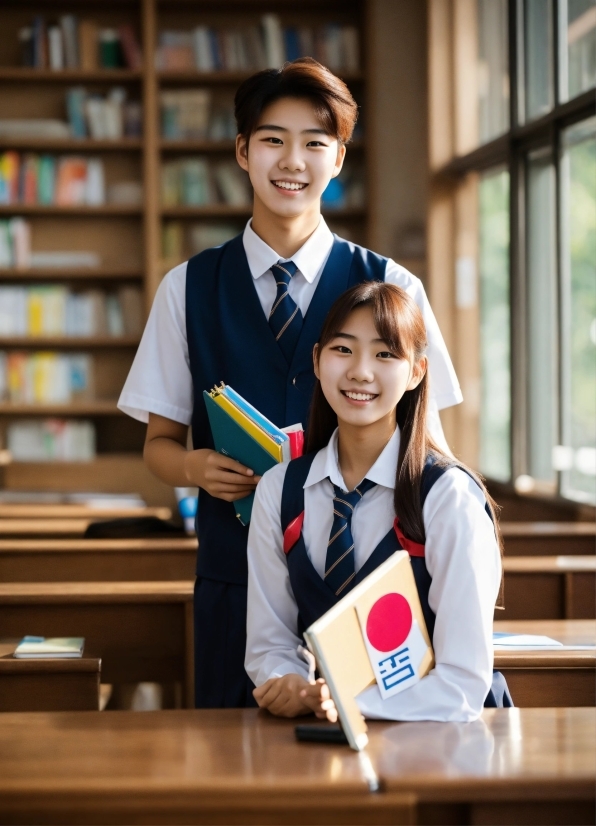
[548, 529]
[204, 754]
[548, 564]
[569, 632]
[75, 592]
[141, 545]
[22, 510]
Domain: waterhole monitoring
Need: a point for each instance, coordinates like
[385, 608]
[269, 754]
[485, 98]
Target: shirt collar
[326, 464]
[309, 259]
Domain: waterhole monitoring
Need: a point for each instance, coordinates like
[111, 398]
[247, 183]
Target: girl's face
[360, 377]
[290, 159]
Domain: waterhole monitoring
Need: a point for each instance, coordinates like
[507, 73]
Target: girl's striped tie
[339, 564]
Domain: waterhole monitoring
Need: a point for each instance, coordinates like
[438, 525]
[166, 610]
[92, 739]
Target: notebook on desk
[54, 648]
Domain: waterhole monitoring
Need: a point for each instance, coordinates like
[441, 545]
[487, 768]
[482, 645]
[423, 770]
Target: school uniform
[458, 579]
[210, 323]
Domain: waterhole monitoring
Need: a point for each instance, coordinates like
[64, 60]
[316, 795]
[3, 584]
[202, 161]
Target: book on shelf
[200, 182]
[109, 117]
[51, 440]
[46, 377]
[15, 244]
[180, 241]
[70, 43]
[253, 47]
[54, 310]
[67, 180]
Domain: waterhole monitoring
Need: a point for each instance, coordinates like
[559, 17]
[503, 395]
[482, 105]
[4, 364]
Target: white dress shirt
[160, 381]
[462, 557]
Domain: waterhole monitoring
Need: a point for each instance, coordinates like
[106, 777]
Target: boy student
[249, 313]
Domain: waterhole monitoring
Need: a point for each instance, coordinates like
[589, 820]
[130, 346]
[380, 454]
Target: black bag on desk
[132, 527]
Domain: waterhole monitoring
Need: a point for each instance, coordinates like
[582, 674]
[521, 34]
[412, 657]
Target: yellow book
[252, 428]
[376, 633]
[35, 307]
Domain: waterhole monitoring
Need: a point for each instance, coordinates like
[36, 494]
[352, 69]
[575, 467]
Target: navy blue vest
[314, 597]
[229, 340]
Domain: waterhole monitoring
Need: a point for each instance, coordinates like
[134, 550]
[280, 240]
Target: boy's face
[289, 158]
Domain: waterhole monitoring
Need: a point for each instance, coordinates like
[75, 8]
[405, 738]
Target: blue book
[278, 435]
[292, 44]
[232, 440]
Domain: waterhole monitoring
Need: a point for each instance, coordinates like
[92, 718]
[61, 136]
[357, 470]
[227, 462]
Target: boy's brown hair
[305, 79]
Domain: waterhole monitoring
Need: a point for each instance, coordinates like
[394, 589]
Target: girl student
[249, 313]
[371, 465]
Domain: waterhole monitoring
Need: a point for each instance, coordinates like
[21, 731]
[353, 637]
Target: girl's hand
[293, 696]
[219, 475]
[317, 697]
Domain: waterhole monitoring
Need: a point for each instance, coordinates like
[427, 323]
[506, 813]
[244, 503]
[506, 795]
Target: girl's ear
[242, 152]
[341, 154]
[315, 360]
[418, 372]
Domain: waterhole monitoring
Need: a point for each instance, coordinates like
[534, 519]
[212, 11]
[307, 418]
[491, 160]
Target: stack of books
[45, 378]
[48, 180]
[190, 114]
[57, 311]
[103, 118]
[51, 440]
[240, 431]
[258, 47]
[199, 182]
[180, 241]
[70, 43]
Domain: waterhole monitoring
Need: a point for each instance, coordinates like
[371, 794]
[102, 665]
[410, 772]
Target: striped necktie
[285, 318]
[339, 564]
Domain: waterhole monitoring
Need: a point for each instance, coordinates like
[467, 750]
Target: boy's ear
[242, 152]
[341, 154]
[418, 373]
[315, 360]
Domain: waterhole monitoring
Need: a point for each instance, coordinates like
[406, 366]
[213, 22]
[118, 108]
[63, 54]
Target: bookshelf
[128, 237]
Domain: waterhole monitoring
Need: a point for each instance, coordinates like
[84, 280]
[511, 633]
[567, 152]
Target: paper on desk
[504, 640]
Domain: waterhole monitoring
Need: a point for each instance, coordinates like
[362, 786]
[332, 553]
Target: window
[577, 458]
[516, 200]
[495, 402]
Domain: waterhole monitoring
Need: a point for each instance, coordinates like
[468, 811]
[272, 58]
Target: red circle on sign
[389, 622]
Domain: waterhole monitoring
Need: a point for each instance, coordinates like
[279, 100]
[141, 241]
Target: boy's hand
[219, 475]
[293, 696]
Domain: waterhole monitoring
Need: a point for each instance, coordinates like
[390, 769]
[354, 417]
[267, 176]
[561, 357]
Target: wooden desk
[25, 510]
[244, 766]
[90, 560]
[549, 538]
[551, 678]
[143, 631]
[223, 766]
[513, 766]
[47, 685]
[549, 587]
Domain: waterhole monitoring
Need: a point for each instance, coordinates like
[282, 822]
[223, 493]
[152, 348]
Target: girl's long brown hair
[399, 323]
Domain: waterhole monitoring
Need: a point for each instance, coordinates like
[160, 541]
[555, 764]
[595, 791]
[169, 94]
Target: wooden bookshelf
[128, 237]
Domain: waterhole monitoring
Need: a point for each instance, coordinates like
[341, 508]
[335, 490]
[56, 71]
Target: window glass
[493, 69]
[542, 432]
[539, 56]
[578, 47]
[576, 457]
[495, 402]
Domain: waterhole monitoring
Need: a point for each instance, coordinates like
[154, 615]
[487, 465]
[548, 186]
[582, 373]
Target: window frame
[511, 150]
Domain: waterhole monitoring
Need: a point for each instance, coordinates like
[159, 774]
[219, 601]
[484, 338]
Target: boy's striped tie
[285, 318]
[339, 564]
